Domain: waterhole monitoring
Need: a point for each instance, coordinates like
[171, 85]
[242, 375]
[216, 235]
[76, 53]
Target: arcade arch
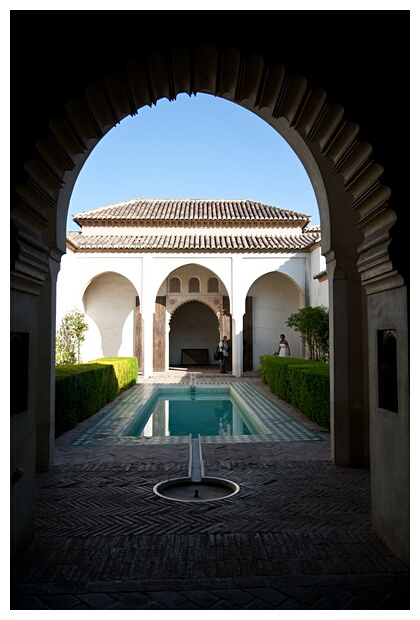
[274, 297]
[109, 304]
[190, 319]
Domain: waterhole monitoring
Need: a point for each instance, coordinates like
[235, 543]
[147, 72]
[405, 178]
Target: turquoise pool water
[184, 412]
[255, 418]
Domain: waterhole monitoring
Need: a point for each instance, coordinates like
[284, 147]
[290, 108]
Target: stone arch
[341, 167]
[357, 220]
[354, 205]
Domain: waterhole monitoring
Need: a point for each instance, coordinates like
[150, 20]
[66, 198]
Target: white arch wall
[148, 275]
[248, 269]
[274, 298]
[236, 273]
[104, 288]
[78, 270]
[109, 303]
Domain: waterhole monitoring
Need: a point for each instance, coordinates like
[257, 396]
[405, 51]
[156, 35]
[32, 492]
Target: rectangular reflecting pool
[161, 413]
[183, 411]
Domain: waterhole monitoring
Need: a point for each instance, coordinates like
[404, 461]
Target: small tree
[313, 325]
[69, 338]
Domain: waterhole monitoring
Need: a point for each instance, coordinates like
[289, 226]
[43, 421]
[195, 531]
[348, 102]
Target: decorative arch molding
[341, 168]
[214, 302]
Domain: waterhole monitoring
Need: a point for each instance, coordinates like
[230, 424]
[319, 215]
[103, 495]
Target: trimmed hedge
[303, 383]
[126, 370]
[83, 389]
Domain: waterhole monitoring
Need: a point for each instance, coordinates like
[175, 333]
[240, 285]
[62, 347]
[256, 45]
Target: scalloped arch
[344, 176]
[213, 302]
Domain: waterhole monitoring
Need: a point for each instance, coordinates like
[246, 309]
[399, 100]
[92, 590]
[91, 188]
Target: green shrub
[313, 325]
[273, 371]
[125, 368]
[303, 383]
[310, 391]
[83, 389]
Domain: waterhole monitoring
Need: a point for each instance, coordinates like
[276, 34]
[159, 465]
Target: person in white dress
[284, 349]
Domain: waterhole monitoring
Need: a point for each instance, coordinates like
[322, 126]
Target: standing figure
[223, 347]
[284, 349]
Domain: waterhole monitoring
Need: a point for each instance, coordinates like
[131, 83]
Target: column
[348, 371]
[45, 402]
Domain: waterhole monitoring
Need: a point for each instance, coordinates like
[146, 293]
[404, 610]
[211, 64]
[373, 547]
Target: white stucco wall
[109, 304]
[79, 270]
[105, 286]
[318, 289]
[274, 298]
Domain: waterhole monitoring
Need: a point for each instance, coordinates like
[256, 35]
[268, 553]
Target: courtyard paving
[297, 536]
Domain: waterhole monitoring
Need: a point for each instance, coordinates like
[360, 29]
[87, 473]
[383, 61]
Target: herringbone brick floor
[298, 534]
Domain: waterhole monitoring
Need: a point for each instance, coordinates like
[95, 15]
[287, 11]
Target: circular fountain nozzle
[185, 490]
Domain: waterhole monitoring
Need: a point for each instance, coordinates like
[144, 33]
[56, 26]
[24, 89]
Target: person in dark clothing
[223, 347]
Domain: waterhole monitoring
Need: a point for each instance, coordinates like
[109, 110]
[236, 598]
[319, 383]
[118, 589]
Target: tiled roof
[191, 243]
[151, 210]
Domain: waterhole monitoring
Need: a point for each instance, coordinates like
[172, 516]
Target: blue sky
[194, 147]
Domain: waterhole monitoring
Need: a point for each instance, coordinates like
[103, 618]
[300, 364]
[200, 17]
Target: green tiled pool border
[107, 429]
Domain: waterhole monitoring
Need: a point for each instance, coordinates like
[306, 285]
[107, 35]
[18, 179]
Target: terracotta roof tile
[190, 243]
[151, 210]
